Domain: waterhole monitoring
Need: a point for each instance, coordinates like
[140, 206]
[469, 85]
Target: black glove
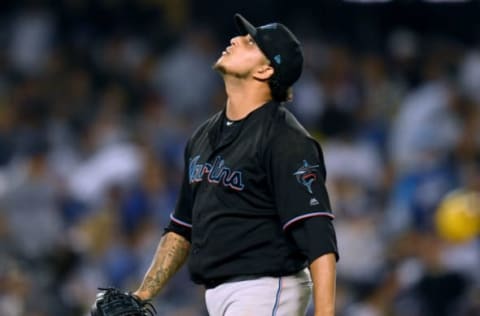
[113, 302]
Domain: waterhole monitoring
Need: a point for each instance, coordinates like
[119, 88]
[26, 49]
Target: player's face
[241, 58]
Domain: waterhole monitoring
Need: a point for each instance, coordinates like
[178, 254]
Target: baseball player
[253, 216]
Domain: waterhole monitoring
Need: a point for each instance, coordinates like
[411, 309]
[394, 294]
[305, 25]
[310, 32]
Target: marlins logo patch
[306, 174]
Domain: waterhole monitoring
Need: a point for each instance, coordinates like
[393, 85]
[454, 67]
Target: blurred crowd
[96, 105]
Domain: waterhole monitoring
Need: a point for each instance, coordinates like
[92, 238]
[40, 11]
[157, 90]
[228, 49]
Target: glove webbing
[114, 300]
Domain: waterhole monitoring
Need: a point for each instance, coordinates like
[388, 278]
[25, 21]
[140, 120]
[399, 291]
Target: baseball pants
[265, 296]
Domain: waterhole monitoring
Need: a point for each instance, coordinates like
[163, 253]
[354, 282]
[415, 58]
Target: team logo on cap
[306, 174]
[278, 59]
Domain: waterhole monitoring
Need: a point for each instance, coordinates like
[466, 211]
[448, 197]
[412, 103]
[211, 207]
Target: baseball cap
[280, 46]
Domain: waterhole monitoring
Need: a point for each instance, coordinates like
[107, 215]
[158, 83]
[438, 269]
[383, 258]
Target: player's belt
[210, 284]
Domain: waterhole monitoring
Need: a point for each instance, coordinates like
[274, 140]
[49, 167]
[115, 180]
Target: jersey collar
[215, 127]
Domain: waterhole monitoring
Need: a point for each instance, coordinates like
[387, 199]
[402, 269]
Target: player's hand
[143, 295]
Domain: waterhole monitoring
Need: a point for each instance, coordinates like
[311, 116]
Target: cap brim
[245, 27]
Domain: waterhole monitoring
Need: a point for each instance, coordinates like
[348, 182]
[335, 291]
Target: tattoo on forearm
[171, 254]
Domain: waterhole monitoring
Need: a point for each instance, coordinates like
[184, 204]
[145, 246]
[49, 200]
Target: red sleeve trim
[308, 215]
[179, 222]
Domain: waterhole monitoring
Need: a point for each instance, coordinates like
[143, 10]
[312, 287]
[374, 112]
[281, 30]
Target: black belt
[210, 284]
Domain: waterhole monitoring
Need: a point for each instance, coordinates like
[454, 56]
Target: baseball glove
[113, 302]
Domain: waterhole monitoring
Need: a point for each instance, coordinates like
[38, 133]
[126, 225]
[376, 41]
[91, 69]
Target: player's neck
[242, 99]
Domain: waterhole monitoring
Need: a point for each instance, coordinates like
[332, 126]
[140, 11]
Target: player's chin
[219, 66]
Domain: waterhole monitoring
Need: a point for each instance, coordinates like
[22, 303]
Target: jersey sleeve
[297, 178]
[181, 217]
[315, 236]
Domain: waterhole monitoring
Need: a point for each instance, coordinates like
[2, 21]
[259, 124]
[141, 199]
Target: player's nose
[234, 40]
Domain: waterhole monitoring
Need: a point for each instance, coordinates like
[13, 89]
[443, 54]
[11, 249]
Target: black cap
[280, 46]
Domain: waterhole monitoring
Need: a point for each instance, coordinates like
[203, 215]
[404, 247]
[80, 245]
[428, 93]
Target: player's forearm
[171, 254]
[323, 271]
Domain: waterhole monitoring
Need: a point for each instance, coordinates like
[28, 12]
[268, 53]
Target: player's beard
[218, 66]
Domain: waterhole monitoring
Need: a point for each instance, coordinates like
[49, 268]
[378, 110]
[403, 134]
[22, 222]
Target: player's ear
[263, 72]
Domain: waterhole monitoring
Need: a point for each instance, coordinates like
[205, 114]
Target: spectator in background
[188, 65]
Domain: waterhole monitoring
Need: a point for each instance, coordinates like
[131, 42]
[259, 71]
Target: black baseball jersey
[245, 187]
